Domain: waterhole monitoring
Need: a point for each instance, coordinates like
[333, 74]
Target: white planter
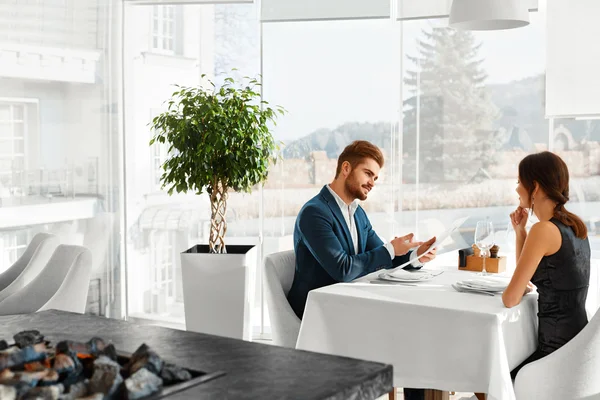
[218, 290]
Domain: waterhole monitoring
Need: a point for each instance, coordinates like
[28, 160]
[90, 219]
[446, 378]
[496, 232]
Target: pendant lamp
[487, 15]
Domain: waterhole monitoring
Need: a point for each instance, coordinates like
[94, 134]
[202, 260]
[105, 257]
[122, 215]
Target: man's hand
[403, 244]
[429, 256]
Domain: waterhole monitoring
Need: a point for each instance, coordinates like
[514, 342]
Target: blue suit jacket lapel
[362, 234]
[335, 208]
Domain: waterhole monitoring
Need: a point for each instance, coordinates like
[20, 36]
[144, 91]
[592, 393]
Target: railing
[66, 182]
[55, 23]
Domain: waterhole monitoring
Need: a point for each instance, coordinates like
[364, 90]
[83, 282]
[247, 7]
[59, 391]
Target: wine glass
[484, 240]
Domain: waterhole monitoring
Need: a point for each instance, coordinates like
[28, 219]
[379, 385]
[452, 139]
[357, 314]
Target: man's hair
[356, 152]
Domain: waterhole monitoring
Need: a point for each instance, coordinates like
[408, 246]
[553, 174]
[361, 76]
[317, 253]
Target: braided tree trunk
[218, 224]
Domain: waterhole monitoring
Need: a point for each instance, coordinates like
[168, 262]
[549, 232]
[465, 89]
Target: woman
[554, 255]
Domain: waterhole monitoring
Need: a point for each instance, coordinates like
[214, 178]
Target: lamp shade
[487, 15]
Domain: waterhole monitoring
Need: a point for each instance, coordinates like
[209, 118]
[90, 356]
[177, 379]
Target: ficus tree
[219, 139]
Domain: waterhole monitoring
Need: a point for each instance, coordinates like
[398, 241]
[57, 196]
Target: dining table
[435, 336]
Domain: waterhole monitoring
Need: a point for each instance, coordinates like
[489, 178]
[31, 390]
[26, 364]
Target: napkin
[490, 283]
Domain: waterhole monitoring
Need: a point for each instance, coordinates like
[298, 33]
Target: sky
[328, 73]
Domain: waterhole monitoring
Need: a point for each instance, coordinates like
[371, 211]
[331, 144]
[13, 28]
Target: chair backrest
[278, 277]
[571, 372]
[63, 284]
[28, 266]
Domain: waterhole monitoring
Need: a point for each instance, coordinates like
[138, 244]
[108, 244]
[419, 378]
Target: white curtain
[318, 10]
[572, 58]
[424, 9]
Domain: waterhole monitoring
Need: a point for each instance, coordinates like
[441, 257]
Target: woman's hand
[518, 219]
[529, 288]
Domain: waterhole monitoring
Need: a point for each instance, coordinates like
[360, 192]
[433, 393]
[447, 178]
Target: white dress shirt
[348, 211]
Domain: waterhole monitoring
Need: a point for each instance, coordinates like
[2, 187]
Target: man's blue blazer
[324, 250]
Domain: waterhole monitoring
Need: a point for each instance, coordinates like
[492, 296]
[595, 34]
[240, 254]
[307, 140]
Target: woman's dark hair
[552, 174]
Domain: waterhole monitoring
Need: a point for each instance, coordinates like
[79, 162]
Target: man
[334, 240]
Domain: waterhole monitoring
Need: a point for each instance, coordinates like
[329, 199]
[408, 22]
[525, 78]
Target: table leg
[393, 394]
[432, 394]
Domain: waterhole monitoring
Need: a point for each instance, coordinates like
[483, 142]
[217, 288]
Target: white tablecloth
[434, 337]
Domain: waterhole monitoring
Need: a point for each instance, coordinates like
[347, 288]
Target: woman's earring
[531, 209]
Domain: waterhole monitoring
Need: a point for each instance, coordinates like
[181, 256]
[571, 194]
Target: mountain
[521, 104]
[334, 141]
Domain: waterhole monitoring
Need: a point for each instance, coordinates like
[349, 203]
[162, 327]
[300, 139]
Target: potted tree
[219, 141]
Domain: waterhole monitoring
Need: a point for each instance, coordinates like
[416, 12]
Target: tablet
[439, 239]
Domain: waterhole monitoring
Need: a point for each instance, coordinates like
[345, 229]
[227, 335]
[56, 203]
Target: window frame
[162, 261]
[25, 120]
[159, 35]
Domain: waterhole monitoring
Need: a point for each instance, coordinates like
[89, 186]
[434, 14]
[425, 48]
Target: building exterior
[56, 132]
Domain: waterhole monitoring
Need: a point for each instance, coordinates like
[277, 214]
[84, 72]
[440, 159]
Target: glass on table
[484, 240]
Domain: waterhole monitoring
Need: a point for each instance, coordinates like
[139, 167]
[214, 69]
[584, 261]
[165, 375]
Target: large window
[202, 39]
[453, 111]
[339, 82]
[59, 135]
[473, 107]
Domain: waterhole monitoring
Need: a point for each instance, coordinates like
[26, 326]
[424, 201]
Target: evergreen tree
[236, 42]
[456, 113]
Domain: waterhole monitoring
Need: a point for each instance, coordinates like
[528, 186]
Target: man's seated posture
[334, 240]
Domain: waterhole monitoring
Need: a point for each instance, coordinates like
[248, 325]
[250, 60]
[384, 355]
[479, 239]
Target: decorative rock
[44, 393]
[77, 390]
[63, 363]
[110, 352]
[141, 384]
[94, 346]
[172, 374]
[23, 356]
[144, 357]
[106, 378]
[70, 365]
[8, 392]
[95, 396]
[28, 338]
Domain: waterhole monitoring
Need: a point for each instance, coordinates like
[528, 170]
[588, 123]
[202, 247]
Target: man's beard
[354, 188]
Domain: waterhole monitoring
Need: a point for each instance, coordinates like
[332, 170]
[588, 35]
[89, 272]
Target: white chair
[62, 285]
[571, 372]
[28, 266]
[278, 277]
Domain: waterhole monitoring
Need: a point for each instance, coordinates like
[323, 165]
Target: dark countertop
[254, 370]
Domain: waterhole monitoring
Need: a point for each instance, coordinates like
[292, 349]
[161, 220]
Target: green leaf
[217, 135]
